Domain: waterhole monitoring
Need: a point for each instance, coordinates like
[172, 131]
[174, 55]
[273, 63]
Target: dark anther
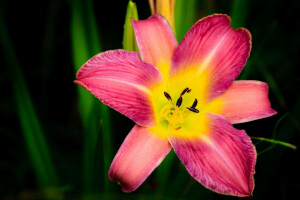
[189, 90]
[167, 96]
[184, 91]
[195, 103]
[193, 109]
[179, 102]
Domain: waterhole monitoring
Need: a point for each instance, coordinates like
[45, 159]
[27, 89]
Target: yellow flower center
[183, 113]
[173, 115]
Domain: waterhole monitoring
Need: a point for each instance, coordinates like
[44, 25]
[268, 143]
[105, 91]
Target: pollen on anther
[195, 103]
[179, 102]
[193, 109]
[184, 91]
[168, 96]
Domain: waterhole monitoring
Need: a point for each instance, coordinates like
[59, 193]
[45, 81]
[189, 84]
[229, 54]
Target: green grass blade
[85, 44]
[86, 101]
[273, 161]
[129, 42]
[273, 136]
[275, 142]
[31, 128]
[274, 132]
[184, 17]
[272, 83]
[277, 124]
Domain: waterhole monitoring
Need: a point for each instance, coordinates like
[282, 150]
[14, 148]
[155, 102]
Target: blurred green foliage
[57, 140]
[31, 128]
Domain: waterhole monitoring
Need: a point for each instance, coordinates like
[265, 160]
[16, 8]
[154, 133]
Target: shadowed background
[57, 141]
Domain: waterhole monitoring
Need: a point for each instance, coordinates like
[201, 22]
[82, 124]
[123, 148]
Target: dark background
[39, 34]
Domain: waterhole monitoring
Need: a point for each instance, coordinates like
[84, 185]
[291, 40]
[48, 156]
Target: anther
[184, 91]
[167, 96]
[195, 103]
[189, 90]
[179, 102]
[193, 109]
[178, 128]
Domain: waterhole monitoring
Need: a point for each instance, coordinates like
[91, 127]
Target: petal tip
[81, 84]
[248, 37]
[125, 187]
[141, 152]
[155, 39]
[272, 112]
[133, 21]
[77, 82]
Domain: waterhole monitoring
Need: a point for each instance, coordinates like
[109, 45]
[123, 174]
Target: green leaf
[129, 42]
[184, 17]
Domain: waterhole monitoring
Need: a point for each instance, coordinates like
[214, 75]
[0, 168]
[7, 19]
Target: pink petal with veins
[123, 82]
[155, 39]
[212, 46]
[245, 101]
[141, 152]
[222, 160]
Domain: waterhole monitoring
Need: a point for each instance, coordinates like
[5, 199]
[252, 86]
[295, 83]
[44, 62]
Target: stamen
[184, 91]
[175, 116]
[165, 110]
[193, 109]
[184, 116]
[195, 103]
[168, 96]
[179, 102]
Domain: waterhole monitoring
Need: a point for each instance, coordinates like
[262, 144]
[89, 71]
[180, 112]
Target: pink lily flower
[182, 97]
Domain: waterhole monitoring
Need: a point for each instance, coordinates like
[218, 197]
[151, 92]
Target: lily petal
[156, 41]
[245, 101]
[141, 152]
[212, 48]
[123, 82]
[222, 159]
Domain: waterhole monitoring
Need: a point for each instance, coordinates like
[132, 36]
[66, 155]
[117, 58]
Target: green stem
[275, 142]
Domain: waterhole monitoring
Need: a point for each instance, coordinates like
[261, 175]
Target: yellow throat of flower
[186, 115]
[175, 115]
